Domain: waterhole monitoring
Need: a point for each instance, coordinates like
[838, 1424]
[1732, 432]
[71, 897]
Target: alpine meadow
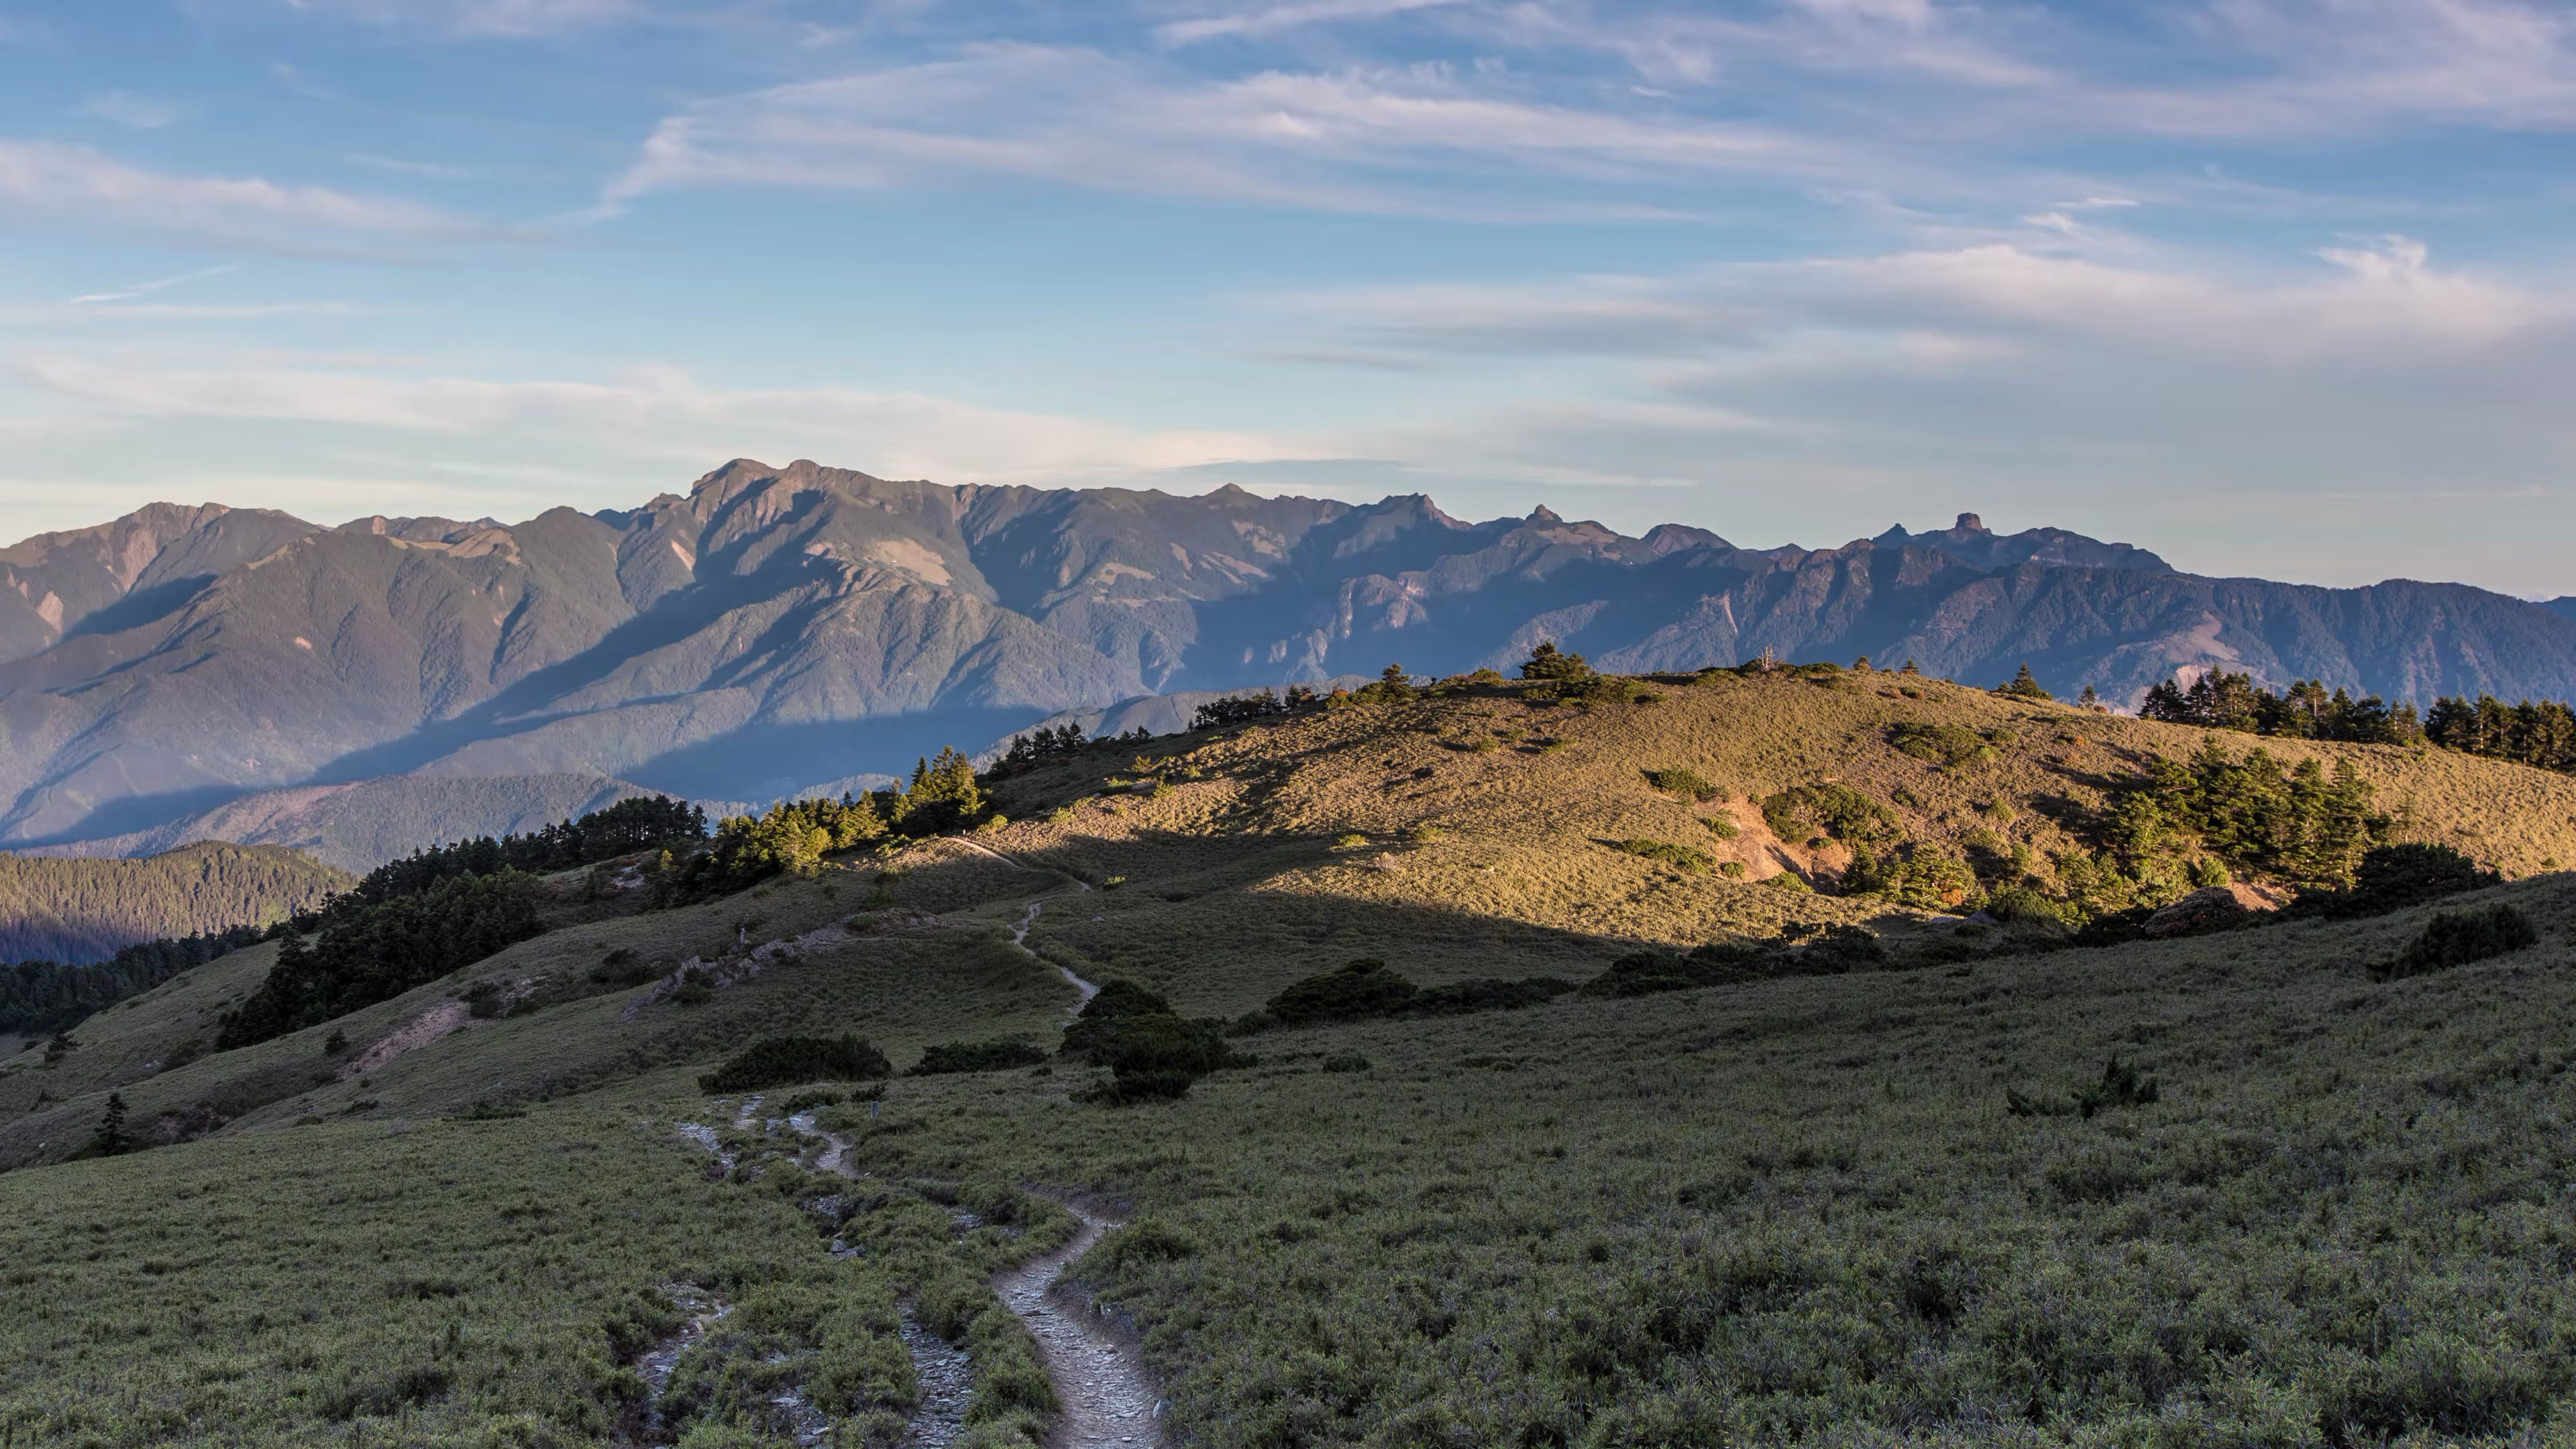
[1287, 724]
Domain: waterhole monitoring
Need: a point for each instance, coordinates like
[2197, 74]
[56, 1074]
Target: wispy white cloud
[46, 178]
[2382, 301]
[404, 167]
[1265, 20]
[1382, 139]
[144, 113]
[662, 414]
[473, 18]
[140, 289]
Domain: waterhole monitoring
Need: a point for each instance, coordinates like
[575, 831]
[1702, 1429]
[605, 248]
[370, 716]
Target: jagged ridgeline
[83, 911]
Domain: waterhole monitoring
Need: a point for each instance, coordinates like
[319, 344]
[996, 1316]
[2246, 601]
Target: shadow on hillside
[1185, 916]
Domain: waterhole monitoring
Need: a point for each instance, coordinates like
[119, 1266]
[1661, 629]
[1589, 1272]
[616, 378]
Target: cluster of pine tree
[37, 997]
[792, 837]
[366, 952]
[2529, 733]
[2188, 823]
[2534, 732]
[622, 829]
[2305, 711]
[1245, 708]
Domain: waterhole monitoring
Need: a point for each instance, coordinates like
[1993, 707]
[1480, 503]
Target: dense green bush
[2456, 938]
[1913, 874]
[1088, 1035]
[1000, 1054]
[1156, 1056]
[1685, 783]
[1679, 857]
[2393, 877]
[1486, 993]
[1364, 988]
[1947, 745]
[1838, 811]
[785, 1061]
[1809, 950]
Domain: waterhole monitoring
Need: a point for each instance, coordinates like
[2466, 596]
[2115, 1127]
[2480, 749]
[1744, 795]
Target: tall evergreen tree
[109, 1138]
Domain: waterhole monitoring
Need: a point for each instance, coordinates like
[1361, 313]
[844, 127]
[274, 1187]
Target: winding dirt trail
[1105, 1399]
[1083, 990]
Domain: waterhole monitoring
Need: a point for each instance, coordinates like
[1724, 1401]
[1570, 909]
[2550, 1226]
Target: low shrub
[2456, 938]
[1155, 1057]
[1805, 950]
[1946, 745]
[1486, 993]
[1679, 857]
[1684, 783]
[1839, 811]
[1915, 874]
[2024, 906]
[1091, 1029]
[1346, 1062]
[1000, 1054]
[783, 1061]
[1364, 988]
[2121, 1086]
[1721, 826]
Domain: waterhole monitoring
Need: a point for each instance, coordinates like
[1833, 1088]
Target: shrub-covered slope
[2293, 1183]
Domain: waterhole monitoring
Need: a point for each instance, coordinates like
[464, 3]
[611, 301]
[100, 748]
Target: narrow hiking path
[1105, 1399]
[1083, 990]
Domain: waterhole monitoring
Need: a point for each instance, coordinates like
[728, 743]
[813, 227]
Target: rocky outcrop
[2212, 908]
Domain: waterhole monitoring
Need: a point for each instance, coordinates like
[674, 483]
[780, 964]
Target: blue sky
[2275, 287]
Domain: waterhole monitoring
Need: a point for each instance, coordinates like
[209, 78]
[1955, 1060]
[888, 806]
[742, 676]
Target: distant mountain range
[244, 673]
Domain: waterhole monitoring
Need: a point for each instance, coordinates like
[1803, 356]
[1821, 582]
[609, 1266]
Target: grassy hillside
[1850, 1208]
[83, 910]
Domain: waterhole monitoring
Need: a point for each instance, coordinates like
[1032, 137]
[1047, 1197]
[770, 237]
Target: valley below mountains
[209, 672]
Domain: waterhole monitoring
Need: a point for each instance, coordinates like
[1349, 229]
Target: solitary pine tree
[109, 1138]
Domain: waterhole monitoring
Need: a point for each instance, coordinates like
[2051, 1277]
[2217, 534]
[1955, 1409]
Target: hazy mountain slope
[361, 824]
[127, 572]
[779, 628]
[78, 911]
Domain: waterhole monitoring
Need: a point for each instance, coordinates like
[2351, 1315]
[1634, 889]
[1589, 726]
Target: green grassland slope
[1854, 1208]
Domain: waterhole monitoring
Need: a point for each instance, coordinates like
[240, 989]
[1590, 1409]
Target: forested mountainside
[778, 628]
[79, 911]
